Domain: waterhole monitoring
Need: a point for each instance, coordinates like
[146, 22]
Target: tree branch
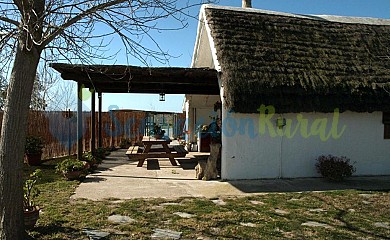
[77, 18]
[4, 19]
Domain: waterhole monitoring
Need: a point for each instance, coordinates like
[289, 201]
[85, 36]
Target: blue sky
[181, 43]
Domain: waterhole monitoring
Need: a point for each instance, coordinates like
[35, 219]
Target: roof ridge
[330, 18]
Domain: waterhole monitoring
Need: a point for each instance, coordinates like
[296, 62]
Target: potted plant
[31, 211]
[33, 150]
[158, 132]
[90, 160]
[93, 160]
[72, 169]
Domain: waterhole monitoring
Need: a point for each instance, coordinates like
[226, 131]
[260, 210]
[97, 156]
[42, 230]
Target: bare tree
[42, 95]
[64, 97]
[31, 30]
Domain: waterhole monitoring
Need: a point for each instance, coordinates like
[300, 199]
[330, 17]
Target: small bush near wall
[334, 168]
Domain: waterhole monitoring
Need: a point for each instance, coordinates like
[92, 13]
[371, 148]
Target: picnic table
[150, 150]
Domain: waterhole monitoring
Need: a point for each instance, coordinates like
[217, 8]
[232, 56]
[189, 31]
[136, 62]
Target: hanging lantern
[162, 97]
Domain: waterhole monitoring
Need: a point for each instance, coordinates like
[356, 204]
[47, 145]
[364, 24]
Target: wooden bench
[137, 153]
[179, 149]
[132, 150]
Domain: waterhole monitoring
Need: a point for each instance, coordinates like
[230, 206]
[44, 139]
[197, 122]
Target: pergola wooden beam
[206, 90]
[132, 79]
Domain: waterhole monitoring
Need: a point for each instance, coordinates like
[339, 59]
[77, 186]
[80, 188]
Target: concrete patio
[118, 177]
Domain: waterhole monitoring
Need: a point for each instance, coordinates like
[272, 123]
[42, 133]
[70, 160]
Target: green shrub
[69, 165]
[334, 168]
[88, 157]
[100, 153]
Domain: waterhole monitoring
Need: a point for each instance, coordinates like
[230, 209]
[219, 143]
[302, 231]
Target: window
[386, 122]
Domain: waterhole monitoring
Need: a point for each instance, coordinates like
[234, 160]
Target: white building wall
[250, 155]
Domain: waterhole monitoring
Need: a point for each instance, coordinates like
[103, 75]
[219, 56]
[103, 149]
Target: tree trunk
[208, 170]
[200, 169]
[12, 140]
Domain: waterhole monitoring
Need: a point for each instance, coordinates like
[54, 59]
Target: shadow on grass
[53, 230]
[48, 170]
[342, 215]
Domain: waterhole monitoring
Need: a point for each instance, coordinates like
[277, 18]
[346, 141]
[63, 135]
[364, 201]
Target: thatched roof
[300, 63]
[133, 79]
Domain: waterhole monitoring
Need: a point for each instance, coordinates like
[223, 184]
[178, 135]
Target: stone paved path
[120, 178]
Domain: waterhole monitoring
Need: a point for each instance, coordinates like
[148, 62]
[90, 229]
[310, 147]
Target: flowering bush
[334, 168]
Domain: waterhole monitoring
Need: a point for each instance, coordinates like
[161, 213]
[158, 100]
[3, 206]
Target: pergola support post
[100, 123]
[79, 120]
[93, 122]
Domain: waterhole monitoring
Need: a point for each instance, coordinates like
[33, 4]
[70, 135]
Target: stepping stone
[184, 215]
[257, 203]
[294, 199]
[248, 224]
[316, 224]
[120, 219]
[95, 234]
[366, 202]
[351, 210]
[282, 212]
[382, 225]
[166, 233]
[167, 222]
[365, 195]
[219, 202]
[203, 238]
[215, 230]
[317, 210]
[169, 204]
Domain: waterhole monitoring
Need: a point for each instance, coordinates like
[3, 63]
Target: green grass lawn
[347, 215]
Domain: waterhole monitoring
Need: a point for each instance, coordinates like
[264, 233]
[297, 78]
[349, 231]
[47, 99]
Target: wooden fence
[60, 132]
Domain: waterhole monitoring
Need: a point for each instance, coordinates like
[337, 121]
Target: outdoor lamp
[162, 97]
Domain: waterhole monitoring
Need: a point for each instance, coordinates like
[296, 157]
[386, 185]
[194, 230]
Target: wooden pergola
[132, 79]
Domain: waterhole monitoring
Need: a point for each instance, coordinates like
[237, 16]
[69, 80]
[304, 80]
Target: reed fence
[60, 131]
